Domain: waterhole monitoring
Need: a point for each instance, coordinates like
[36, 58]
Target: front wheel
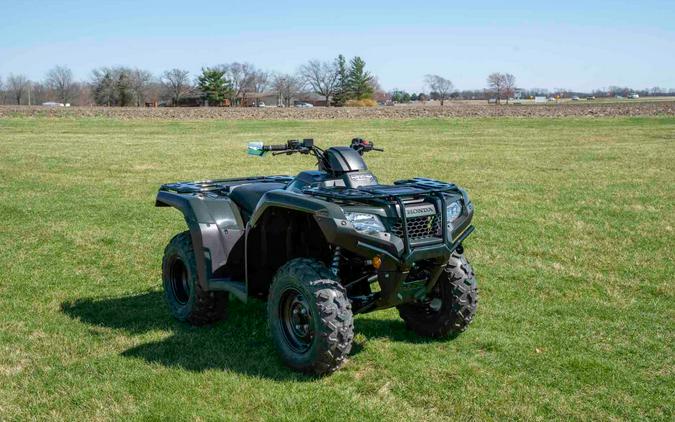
[310, 318]
[450, 306]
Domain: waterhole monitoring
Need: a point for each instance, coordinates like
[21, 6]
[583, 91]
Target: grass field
[573, 252]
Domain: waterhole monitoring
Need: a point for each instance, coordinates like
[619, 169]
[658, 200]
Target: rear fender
[215, 227]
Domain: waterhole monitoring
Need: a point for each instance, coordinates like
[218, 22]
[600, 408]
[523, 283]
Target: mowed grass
[573, 252]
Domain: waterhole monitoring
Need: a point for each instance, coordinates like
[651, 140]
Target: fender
[215, 226]
[294, 201]
[331, 221]
[289, 200]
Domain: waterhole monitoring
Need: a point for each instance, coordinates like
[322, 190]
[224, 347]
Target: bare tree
[495, 82]
[17, 85]
[177, 83]
[60, 80]
[379, 94]
[241, 76]
[322, 77]
[40, 92]
[509, 82]
[2, 91]
[140, 80]
[287, 87]
[441, 86]
[259, 83]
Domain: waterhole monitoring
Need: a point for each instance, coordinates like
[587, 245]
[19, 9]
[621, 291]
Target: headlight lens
[366, 223]
[453, 211]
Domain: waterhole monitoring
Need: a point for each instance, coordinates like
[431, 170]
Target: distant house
[313, 99]
[273, 99]
[195, 99]
[253, 99]
[189, 100]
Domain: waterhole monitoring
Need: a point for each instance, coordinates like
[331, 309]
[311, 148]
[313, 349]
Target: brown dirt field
[662, 108]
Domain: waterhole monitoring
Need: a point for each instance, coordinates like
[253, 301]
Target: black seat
[247, 196]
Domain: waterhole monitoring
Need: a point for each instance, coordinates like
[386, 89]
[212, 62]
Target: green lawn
[573, 251]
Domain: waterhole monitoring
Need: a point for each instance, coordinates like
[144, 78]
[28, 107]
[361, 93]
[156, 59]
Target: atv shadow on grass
[240, 343]
[392, 329]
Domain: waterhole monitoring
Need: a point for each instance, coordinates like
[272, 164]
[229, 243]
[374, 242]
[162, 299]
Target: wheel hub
[296, 320]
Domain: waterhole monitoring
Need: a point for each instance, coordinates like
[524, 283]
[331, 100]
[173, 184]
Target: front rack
[400, 189]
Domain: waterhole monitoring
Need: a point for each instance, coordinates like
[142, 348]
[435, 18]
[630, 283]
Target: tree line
[339, 82]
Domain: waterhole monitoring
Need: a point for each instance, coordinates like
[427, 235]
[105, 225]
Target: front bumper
[398, 256]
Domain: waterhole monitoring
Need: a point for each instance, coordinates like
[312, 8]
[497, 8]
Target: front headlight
[366, 223]
[453, 211]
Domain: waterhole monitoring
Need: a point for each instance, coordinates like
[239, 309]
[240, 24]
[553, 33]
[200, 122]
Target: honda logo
[420, 211]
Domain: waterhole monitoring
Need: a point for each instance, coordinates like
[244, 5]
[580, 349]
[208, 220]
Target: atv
[321, 247]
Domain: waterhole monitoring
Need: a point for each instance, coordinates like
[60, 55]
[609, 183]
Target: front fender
[294, 201]
[332, 222]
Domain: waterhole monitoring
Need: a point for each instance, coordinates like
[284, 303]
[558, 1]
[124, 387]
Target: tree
[103, 86]
[509, 82]
[214, 86]
[342, 84]
[118, 86]
[17, 85]
[322, 77]
[400, 96]
[177, 83]
[439, 86]
[495, 82]
[241, 75]
[39, 93]
[259, 83]
[379, 94]
[123, 88]
[287, 87]
[60, 80]
[2, 91]
[359, 81]
[140, 80]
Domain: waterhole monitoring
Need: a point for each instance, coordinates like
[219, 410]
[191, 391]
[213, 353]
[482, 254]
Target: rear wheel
[449, 307]
[182, 292]
[310, 318]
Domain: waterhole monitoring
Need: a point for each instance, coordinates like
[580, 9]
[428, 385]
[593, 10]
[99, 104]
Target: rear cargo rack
[220, 186]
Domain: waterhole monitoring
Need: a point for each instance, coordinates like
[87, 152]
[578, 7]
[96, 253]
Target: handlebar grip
[275, 147]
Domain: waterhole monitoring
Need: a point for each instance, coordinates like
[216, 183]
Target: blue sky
[570, 44]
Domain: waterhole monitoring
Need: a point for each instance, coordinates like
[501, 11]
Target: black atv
[321, 247]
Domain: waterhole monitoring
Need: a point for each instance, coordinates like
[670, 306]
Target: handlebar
[306, 146]
[279, 147]
[361, 145]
